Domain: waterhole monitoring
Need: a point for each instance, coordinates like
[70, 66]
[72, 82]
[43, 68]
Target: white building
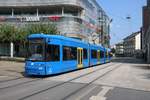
[132, 45]
[138, 41]
[119, 49]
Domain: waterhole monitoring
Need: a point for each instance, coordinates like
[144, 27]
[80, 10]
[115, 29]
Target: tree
[113, 50]
[21, 34]
[7, 34]
[18, 35]
[45, 28]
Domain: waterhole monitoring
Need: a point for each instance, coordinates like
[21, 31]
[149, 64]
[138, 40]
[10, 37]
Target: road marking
[104, 91]
[97, 98]
[101, 94]
[85, 93]
[3, 76]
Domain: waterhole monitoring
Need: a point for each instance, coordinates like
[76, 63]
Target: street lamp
[129, 22]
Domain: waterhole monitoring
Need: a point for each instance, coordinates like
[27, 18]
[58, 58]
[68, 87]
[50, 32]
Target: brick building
[146, 31]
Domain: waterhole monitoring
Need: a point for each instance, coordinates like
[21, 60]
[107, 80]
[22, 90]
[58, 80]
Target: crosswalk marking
[97, 98]
[104, 91]
[101, 94]
[87, 92]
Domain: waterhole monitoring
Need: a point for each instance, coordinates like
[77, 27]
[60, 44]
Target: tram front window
[36, 51]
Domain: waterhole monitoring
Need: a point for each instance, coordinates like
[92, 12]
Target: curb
[16, 59]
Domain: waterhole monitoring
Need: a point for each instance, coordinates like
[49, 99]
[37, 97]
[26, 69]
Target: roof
[36, 3]
[132, 35]
[120, 43]
[41, 35]
[96, 46]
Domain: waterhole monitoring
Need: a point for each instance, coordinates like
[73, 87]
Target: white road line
[101, 94]
[85, 93]
[97, 98]
[3, 76]
[104, 91]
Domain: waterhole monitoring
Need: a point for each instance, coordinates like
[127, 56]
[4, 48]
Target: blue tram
[53, 54]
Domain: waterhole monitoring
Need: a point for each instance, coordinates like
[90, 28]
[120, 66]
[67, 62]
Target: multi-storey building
[132, 45]
[74, 18]
[119, 49]
[146, 31]
[81, 19]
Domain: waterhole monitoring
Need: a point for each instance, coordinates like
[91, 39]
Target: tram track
[71, 94]
[51, 87]
[22, 83]
[11, 79]
[34, 80]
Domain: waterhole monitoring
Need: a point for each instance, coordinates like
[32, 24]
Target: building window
[94, 53]
[69, 53]
[25, 11]
[53, 53]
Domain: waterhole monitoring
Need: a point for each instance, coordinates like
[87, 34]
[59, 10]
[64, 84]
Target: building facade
[119, 49]
[132, 45]
[73, 18]
[81, 19]
[146, 31]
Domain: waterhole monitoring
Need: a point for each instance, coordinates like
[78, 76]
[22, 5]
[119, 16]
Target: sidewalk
[17, 59]
[133, 74]
[10, 69]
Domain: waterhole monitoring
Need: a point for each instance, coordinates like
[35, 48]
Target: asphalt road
[122, 79]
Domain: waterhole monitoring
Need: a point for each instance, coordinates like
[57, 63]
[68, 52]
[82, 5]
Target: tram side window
[94, 53]
[53, 53]
[84, 53]
[69, 53]
[101, 54]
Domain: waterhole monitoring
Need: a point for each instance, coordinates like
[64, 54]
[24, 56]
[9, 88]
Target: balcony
[41, 11]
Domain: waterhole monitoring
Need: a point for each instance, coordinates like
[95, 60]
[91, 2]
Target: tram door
[80, 57]
[98, 57]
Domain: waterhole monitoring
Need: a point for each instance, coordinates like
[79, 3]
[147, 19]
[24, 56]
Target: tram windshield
[36, 50]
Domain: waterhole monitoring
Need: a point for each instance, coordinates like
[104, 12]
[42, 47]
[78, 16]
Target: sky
[118, 10]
